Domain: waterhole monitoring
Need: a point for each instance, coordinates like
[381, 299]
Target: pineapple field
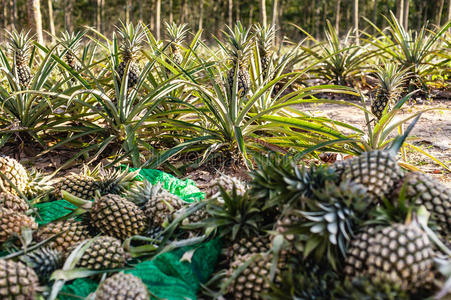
[228, 166]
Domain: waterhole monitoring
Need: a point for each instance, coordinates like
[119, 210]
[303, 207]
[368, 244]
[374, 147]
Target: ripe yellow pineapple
[13, 202]
[12, 223]
[17, 281]
[122, 286]
[14, 172]
[103, 253]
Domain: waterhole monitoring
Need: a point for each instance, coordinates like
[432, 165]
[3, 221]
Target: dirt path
[432, 132]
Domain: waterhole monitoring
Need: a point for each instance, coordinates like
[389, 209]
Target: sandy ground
[432, 132]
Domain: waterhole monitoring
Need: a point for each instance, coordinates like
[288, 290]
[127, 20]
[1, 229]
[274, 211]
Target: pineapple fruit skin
[115, 216]
[12, 222]
[13, 202]
[17, 281]
[72, 233]
[133, 73]
[103, 253]
[81, 186]
[15, 172]
[122, 286]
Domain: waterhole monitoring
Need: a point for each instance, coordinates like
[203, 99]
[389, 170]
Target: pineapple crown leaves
[145, 191]
[39, 183]
[20, 43]
[264, 36]
[71, 40]
[391, 78]
[236, 216]
[238, 42]
[176, 33]
[132, 37]
[116, 181]
[329, 221]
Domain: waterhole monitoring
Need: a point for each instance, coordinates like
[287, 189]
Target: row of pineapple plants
[180, 96]
[362, 228]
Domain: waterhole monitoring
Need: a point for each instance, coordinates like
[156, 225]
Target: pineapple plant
[20, 45]
[176, 34]
[14, 177]
[238, 50]
[17, 281]
[69, 233]
[71, 43]
[398, 254]
[44, 261]
[158, 204]
[391, 80]
[13, 202]
[265, 40]
[434, 195]
[103, 252]
[122, 286]
[12, 223]
[131, 38]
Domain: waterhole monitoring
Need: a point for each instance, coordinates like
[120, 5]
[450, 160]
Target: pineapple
[265, 40]
[69, 233]
[226, 182]
[12, 223]
[12, 172]
[20, 44]
[44, 262]
[238, 50]
[103, 252]
[13, 202]
[159, 205]
[427, 191]
[17, 281]
[71, 43]
[117, 217]
[398, 254]
[244, 246]
[131, 37]
[391, 81]
[176, 36]
[122, 286]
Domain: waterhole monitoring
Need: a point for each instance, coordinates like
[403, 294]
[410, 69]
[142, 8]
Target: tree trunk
[230, 11]
[68, 16]
[263, 12]
[356, 20]
[14, 14]
[128, 9]
[406, 14]
[337, 17]
[201, 14]
[420, 14]
[275, 18]
[34, 18]
[317, 20]
[158, 20]
[449, 12]
[182, 12]
[438, 17]
[51, 20]
[375, 13]
[400, 11]
[237, 11]
[251, 14]
[171, 14]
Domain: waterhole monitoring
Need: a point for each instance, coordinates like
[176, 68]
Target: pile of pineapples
[350, 230]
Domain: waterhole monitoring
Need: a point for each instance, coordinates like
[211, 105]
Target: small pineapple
[44, 262]
[117, 217]
[238, 50]
[244, 246]
[70, 233]
[20, 44]
[131, 37]
[159, 205]
[71, 43]
[390, 87]
[122, 286]
[176, 35]
[13, 202]
[265, 41]
[103, 253]
[434, 195]
[17, 281]
[398, 254]
[12, 223]
[15, 173]
[227, 182]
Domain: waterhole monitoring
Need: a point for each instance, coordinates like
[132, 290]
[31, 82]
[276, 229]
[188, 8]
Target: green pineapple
[176, 35]
[238, 50]
[391, 81]
[434, 195]
[131, 38]
[12, 172]
[17, 281]
[265, 40]
[44, 262]
[103, 252]
[20, 44]
[122, 286]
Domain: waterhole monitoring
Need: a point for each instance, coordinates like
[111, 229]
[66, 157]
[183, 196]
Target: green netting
[166, 275]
